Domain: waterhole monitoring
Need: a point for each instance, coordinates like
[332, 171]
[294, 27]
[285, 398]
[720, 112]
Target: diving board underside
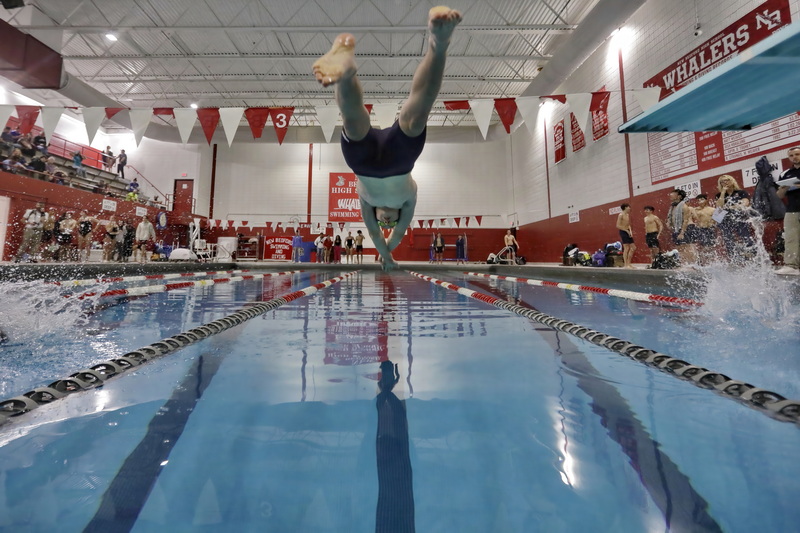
[760, 84]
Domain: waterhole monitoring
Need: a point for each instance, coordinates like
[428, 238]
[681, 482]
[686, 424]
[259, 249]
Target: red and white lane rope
[152, 289]
[770, 403]
[628, 295]
[146, 277]
[97, 374]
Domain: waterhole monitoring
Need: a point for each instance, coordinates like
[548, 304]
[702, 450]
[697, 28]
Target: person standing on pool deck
[382, 159]
[626, 235]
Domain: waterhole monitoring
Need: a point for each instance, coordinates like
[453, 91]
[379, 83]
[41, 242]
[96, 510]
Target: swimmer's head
[387, 216]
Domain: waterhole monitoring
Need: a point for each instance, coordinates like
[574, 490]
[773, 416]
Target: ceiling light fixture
[193, 106]
[111, 37]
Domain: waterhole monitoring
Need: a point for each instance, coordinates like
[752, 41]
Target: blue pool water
[298, 421]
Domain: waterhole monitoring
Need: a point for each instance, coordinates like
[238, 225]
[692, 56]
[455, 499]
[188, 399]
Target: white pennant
[647, 98]
[327, 115]
[50, 118]
[482, 110]
[385, 114]
[5, 113]
[451, 222]
[230, 118]
[92, 118]
[528, 107]
[579, 105]
[140, 119]
[185, 117]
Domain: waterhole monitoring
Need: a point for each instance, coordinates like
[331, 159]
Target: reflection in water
[395, 512]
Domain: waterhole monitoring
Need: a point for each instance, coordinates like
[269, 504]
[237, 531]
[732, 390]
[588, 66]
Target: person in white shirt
[32, 236]
[145, 234]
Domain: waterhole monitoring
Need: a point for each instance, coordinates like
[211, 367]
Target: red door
[183, 196]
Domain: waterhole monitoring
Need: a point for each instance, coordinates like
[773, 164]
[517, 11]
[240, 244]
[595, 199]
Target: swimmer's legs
[338, 67]
[428, 76]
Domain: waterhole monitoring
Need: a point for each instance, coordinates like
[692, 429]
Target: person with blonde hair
[732, 215]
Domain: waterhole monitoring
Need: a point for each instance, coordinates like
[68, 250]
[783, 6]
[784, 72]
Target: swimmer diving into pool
[382, 159]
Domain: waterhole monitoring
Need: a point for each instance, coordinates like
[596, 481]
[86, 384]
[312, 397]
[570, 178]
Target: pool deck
[641, 279]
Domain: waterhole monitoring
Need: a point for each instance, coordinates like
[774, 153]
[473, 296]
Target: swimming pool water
[296, 420]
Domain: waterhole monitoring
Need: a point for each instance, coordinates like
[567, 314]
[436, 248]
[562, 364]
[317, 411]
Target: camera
[697, 31]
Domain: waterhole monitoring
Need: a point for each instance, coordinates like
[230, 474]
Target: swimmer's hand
[388, 265]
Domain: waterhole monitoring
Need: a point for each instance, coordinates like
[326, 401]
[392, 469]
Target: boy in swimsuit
[360, 246]
[382, 159]
[653, 228]
[626, 235]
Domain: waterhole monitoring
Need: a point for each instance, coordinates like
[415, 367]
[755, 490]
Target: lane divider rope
[767, 402]
[146, 277]
[98, 374]
[628, 295]
[152, 289]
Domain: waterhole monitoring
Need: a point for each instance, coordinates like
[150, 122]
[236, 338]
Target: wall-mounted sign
[141, 211]
[109, 205]
[574, 217]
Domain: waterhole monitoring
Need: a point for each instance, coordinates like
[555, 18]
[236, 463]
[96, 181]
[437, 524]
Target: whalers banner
[343, 202]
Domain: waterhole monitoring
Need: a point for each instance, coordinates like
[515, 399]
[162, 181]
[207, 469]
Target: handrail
[148, 181]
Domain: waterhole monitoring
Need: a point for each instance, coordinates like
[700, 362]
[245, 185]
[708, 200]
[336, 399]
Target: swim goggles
[387, 224]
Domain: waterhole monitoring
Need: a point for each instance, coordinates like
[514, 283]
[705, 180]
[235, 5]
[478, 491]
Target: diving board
[760, 84]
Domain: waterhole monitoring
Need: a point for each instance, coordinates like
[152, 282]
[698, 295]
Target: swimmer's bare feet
[339, 63]
[441, 22]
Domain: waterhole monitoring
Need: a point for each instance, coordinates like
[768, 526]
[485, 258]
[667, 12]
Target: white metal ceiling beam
[511, 28]
[295, 57]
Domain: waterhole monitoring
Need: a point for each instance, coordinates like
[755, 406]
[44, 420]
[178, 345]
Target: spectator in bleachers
[77, 164]
[6, 137]
[108, 160]
[133, 191]
[40, 142]
[39, 168]
[26, 145]
[59, 178]
[14, 164]
[122, 160]
[50, 166]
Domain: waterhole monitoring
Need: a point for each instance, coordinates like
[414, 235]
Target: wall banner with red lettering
[343, 202]
[578, 140]
[599, 111]
[353, 342]
[755, 26]
[278, 248]
[559, 144]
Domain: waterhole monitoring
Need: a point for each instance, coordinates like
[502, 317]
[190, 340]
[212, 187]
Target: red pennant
[457, 105]
[164, 111]
[244, 223]
[27, 117]
[257, 118]
[599, 100]
[111, 111]
[420, 224]
[341, 226]
[507, 109]
[369, 107]
[209, 118]
[458, 222]
[557, 97]
[230, 222]
[410, 233]
[478, 219]
[280, 120]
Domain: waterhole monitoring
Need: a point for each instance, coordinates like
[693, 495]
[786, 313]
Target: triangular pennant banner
[257, 118]
[231, 117]
[482, 109]
[185, 117]
[140, 119]
[209, 118]
[478, 219]
[466, 222]
[92, 118]
[327, 115]
[456, 105]
[506, 110]
[50, 118]
[599, 100]
[557, 97]
[385, 114]
[280, 120]
[341, 226]
[5, 114]
[111, 111]
[27, 117]
[529, 109]
[451, 223]
[458, 222]
[244, 223]
[164, 111]
[579, 105]
[369, 107]
[648, 97]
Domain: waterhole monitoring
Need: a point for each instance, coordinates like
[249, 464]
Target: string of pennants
[286, 224]
[581, 105]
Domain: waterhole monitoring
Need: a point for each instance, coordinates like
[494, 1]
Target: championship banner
[599, 112]
[752, 28]
[578, 140]
[343, 202]
[278, 248]
[558, 137]
[350, 342]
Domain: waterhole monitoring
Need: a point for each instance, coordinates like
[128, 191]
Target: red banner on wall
[558, 137]
[755, 26]
[599, 111]
[349, 342]
[278, 248]
[343, 202]
[578, 140]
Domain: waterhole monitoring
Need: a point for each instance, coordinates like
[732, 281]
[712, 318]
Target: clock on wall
[161, 220]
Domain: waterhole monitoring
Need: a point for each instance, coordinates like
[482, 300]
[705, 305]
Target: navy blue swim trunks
[625, 237]
[383, 153]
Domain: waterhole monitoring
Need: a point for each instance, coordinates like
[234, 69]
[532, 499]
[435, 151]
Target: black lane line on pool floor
[128, 492]
[684, 509]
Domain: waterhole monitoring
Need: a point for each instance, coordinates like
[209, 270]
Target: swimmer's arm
[406, 216]
[375, 233]
[659, 225]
